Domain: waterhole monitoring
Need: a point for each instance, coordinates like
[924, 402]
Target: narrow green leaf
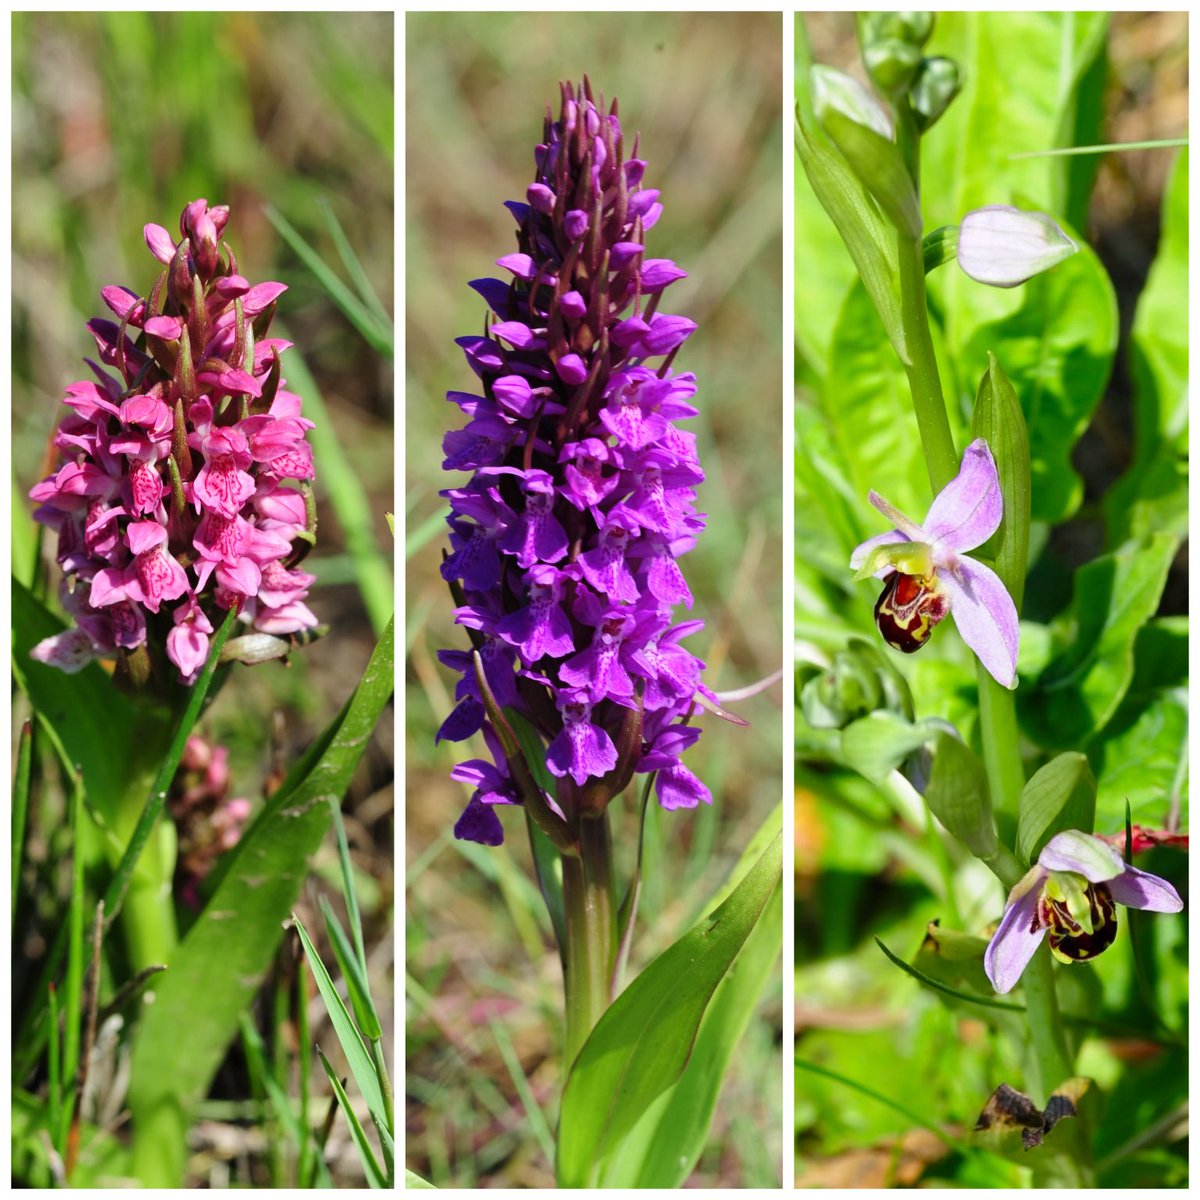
[642, 1043]
[869, 237]
[938, 986]
[413, 1180]
[375, 1176]
[998, 419]
[73, 984]
[55, 1068]
[20, 809]
[1061, 795]
[533, 1111]
[357, 1057]
[545, 856]
[352, 973]
[216, 970]
[349, 891]
[353, 265]
[377, 333]
[256, 1060]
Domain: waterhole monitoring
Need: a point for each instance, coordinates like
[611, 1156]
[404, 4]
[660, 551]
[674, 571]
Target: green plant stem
[590, 909]
[1001, 747]
[997, 709]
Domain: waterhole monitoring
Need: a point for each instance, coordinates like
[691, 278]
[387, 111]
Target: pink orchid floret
[929, 575]
[182, 487]
[1069, 896]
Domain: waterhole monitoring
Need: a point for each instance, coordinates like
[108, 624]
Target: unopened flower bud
[892, 65]
[833, 89]
[1003, 246]
[935, 87]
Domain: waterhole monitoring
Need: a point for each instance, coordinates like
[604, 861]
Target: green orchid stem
[589, 903]
[997, 709]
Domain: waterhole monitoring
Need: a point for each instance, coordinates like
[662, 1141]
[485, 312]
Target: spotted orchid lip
[963, 515]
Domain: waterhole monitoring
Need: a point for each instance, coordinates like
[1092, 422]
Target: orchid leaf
[1061, 795]
[214, 972]
[642, 1044]
[661, 1150]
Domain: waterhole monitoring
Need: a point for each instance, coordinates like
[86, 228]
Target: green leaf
[1081, 687]
[1153, 493]
[642, 1043]
[878, 163]
[350, 1039]
[875, 745]
[20, 808]
[375, 1176]
[998, 419]
[1061, 795]
[413, 1180]
[957, 794]
[215, 972]
[1057, 349]
[868, 235]
[662, 1149]
[356, 982]
[92, 722]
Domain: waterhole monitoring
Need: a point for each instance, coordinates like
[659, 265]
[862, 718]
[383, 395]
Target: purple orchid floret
[929, 576]
[563, 543]
[1070, 897]
[183, 490]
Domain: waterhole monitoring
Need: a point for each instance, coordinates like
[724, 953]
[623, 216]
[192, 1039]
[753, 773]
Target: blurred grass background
[865, 868]
[119, 119]
[484, 984]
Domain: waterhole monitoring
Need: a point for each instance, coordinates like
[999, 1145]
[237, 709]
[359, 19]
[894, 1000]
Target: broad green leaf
[642, 1043]
[215, 972]
[661, 1150]
[93, 723]
[1115, 595]
[998, 419]
[1153, 493]
[348, 1036]
[875, 745]
[1057, 349]
[1061, 795]
[867, 405]
[957, 794]
[1142, 757]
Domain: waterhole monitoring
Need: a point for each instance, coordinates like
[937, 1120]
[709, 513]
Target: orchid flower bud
[933, 91]
[1003, 246]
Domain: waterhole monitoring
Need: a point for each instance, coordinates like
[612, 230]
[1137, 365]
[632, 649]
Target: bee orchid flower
[1070, 897]
[928, 575]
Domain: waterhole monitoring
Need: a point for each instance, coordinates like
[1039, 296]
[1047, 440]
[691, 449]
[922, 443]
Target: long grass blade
[20, 809]
[375, 1176]
[352, 263]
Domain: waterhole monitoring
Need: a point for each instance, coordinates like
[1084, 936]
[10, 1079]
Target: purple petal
[1017, 939]
[479, 823]
[677, 787]
[967, 511]
[986, 617]
[1081, 854]
[1140, 889]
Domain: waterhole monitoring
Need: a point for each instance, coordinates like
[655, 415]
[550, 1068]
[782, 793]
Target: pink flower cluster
[208, 821]
[182, 488]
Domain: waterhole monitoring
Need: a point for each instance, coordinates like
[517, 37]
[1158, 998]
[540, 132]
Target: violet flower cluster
[182, 488]
[565, 539]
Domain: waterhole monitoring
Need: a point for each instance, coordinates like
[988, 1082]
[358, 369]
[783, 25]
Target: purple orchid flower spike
[1070, 896]
[564, 544]
[928, 574]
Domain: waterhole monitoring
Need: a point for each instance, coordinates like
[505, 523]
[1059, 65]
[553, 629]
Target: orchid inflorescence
[176, 497]
[581, 498]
